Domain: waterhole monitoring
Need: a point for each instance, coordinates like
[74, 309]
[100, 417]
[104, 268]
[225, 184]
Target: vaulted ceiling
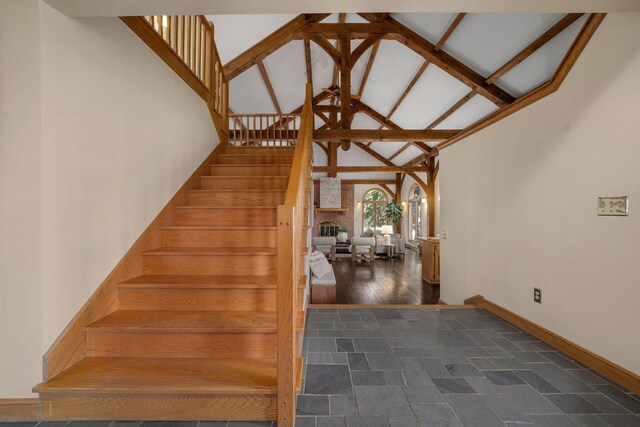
[393, 84]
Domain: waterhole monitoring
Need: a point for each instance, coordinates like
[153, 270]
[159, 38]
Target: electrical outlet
[537, 295]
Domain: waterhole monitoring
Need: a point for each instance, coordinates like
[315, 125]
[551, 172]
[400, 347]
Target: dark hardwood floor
[383, 282]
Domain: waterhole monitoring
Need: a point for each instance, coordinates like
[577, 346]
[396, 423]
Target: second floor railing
[264, 130]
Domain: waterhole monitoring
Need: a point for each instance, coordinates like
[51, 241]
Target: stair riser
[231, 216]
[219, 238]
[230, 170]
[259, 150]
[264, 160]
[197, 299]
[87, 406]
[177, 345]
[265, 198]
[248, 183]
[214, 265]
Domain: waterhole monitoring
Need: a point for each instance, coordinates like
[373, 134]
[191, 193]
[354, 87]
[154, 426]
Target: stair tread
[227, 190]
[166, 375]
[225, 250]
[187, 281]
[192, 321]
[219, 227]
[256, 165]
[200, 281]
[235, 207]
[244, 176]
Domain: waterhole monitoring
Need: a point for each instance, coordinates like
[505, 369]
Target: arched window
[374, 202]
[415, 212]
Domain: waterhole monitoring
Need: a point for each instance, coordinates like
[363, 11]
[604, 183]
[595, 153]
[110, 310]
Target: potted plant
[342, 235]
[393, 212]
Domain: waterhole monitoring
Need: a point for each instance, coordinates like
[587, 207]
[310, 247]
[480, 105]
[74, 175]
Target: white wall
[20, 206]
[110, 134]
[519, 201]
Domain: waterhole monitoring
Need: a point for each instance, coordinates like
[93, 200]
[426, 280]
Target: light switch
[613, 206]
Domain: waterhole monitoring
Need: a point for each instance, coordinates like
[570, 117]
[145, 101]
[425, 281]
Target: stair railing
[186, 43]
[264, 130]
[291, 240]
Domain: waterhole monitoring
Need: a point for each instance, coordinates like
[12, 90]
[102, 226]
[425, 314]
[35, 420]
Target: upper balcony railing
[263, 130]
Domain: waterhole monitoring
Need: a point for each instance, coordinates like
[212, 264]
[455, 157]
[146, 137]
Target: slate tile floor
[418, 367]
[414, 367]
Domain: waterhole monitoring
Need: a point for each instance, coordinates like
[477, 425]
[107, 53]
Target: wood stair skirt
[193, 334]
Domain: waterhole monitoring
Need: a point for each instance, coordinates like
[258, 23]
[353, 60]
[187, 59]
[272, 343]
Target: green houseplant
[393, 211]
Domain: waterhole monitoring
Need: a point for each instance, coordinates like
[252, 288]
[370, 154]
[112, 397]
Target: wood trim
[389, 306]
[605, 367]
[325, 45]
[307, 60]
[441, 302]
[384, 135]
[541, 91]
[69, 346]
[373, 39]
[27, 409]
[364, 169]
[456, 21]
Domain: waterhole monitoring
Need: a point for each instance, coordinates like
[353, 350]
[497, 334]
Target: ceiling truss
[336, 129]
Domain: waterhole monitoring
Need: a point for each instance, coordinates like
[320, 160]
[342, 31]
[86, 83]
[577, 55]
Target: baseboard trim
[441, 302]
[389, 306]
[604, 367]
[20, 409]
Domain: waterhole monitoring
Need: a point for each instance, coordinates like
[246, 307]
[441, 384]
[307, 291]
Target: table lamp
[387, 231]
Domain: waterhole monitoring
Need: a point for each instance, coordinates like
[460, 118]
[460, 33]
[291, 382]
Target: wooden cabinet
[430, 259]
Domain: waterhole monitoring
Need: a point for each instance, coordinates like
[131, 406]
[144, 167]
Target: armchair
[326, 245]
[363, 247]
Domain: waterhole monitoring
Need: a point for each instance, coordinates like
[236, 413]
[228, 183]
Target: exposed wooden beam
[345, 87]
[367, 70]
[267, 83]
[307, 59]
[268, 45]
[406, 91]
[364, 46]
[449, 31]
[373, 154]
[387, 123]
[541, 91]
[535, 45]
[431, 199]
[332, 158]
[334, 30]
[451, 110]
[336, 65]
[384, 135]
[364, 169]
[400, 151]
[322, 116]
[387, 189]
[445, 61]
[326, 45]
[367, 181]
[321, 145]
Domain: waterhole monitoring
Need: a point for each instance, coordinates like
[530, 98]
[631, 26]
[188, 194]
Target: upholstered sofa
[396, 239]
[363, 248]
[326, 245]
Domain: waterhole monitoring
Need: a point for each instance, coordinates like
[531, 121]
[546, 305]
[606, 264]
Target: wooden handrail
[291, 222]
[190, 37]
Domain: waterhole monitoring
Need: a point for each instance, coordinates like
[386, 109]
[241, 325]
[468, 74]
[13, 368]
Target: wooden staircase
[194, 336]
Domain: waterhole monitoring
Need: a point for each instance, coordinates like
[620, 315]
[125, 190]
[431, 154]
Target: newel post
[286, 317]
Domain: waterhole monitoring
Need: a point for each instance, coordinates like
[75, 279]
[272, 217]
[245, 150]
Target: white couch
[396, 239]
[326, 245]
[323, 287]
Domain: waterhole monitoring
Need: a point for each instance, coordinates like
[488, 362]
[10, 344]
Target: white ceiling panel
[331, 19]
[431, 26]
[393, 69]
[248, 94]
[387, 148]
[357, 71]
[354, 156]
[287, 70]
[433, 94]
[486, 41]
[408, 154]
[473, 110]
[236, 33]
[362, 121]
[355, 18]
[540, 67]
[319, 156]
